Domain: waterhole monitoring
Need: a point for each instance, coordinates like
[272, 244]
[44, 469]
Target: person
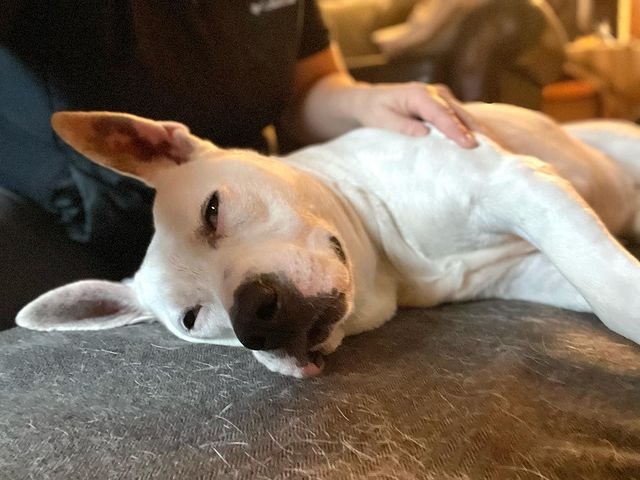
[227, 69]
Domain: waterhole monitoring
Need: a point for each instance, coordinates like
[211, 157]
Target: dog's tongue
[314, 366]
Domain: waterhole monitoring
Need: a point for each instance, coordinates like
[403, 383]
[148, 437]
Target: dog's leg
[535, 279]
[620, 141]
[528, 199]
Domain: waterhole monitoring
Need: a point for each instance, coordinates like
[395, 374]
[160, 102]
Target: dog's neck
[375, 279]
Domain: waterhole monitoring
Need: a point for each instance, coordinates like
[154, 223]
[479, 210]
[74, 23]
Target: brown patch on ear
[126, 143]
[119, 136]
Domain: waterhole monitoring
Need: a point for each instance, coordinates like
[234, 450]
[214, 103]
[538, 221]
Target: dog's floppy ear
[83, 305]
[131, 145]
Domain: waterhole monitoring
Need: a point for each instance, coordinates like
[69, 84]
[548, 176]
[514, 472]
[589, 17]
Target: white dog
[288, 255]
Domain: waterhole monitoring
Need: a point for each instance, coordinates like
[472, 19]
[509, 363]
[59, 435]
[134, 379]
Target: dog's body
[295, 254]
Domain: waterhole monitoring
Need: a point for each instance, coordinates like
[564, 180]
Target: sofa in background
[494, 51]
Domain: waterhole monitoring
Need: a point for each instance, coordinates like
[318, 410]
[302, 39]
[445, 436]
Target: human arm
[327, 102]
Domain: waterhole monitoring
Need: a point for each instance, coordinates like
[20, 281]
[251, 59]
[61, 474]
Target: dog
[287, 256]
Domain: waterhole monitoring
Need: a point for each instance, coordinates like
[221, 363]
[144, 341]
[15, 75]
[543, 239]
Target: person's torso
[222, 67]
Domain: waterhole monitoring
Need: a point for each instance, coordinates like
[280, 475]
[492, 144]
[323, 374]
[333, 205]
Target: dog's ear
[131, 145]
[84, 305]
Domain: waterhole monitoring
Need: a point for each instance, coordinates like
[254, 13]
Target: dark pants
[36, 255]
[49, 195]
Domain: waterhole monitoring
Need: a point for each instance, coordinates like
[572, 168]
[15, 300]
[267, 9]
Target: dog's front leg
[527, 198]
[533, 278]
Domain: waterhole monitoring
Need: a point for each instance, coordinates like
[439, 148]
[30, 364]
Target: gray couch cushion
[485, 390]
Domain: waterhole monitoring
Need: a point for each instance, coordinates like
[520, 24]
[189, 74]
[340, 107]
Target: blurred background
[573, 59]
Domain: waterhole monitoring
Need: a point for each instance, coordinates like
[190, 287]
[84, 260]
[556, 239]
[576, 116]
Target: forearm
[327, 102]
[331, 106]
[325, 99]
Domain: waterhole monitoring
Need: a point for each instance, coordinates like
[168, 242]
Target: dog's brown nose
[269, 313]
[264, 313]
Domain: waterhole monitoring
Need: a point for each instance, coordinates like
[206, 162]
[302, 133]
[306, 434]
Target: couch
[492, 50]
[487, 390]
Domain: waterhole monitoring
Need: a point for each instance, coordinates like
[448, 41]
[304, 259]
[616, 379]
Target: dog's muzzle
[270, 313]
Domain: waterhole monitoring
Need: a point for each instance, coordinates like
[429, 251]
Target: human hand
[404, 107]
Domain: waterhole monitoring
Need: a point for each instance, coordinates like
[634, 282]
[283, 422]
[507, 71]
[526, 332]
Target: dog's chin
[309, 363]
[279, 361]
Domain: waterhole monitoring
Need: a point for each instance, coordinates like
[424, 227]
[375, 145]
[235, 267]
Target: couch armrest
[496, 38]
[504, 50]
[379, 69]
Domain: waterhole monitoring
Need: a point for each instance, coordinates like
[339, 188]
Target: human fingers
[470, 121]
[403, 124]
[442, 111]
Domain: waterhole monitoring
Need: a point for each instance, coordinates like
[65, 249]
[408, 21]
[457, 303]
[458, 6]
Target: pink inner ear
[84, 305]
[107, 307]
[146, 141]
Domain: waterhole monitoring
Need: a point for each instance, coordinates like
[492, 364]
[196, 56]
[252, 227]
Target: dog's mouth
[314, 365]
[326, 319]
[269, 314]
[306, 354]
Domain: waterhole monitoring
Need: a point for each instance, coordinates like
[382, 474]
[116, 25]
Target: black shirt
[223, 67]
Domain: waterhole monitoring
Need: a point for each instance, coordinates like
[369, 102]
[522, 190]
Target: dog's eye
[210, 214]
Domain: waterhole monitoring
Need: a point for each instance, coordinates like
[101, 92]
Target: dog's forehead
[248, 183]
[239, 170]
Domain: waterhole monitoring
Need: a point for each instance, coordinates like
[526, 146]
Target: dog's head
[244, 252]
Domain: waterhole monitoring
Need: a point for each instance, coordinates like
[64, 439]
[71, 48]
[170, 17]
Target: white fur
[529, 215]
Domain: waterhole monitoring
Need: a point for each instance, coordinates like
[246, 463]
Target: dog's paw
[281, 362]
